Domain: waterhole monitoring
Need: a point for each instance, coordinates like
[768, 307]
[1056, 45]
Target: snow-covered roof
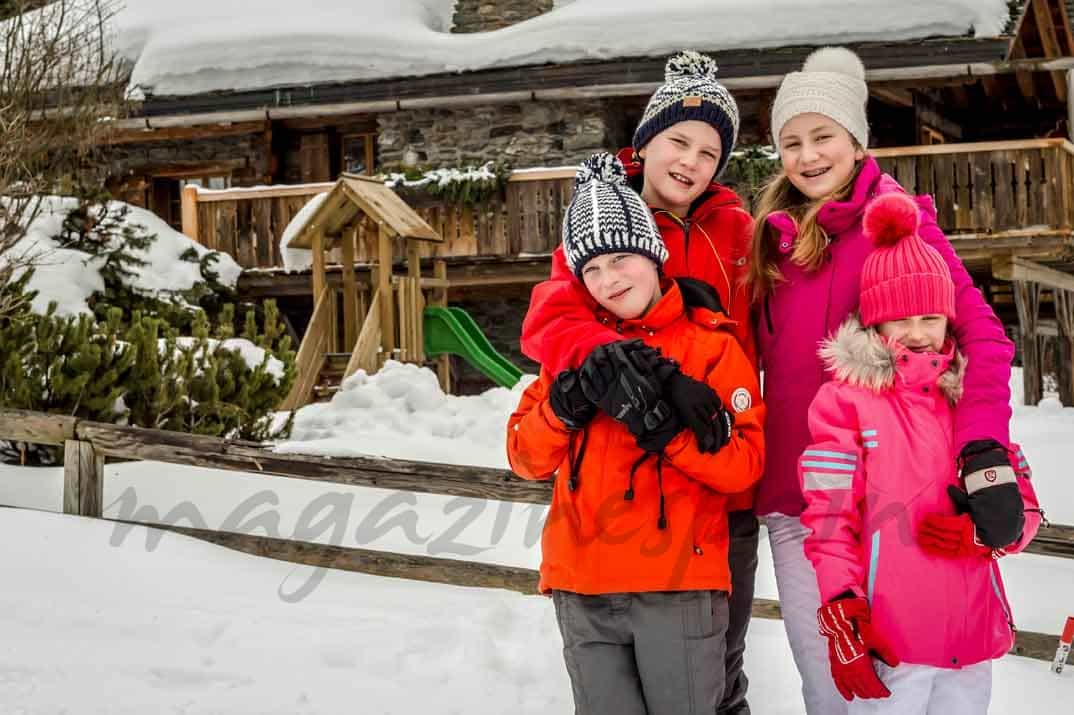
[206, 45]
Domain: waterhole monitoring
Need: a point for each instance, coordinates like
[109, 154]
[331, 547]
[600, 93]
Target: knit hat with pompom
[607, 216]
[832, 83]
[903, 276]
[690, 91]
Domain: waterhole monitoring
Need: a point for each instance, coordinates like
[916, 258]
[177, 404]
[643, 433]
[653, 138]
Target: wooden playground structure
[391, 324]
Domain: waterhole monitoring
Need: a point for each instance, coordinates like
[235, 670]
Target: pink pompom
[889, 218]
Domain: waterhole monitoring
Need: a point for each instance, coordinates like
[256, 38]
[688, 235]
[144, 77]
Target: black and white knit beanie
[690, 91]
[607, 216]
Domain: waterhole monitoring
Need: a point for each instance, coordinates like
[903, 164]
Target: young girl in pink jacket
[905, 575]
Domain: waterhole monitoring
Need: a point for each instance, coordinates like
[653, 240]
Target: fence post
[189, 212]
[83, 479]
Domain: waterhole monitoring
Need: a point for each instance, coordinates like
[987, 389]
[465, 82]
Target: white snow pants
[924, 690]
[799, 599]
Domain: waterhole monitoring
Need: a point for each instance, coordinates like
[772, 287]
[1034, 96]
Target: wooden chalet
[984, 124]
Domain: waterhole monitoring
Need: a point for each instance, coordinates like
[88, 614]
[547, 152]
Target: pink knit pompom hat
[903, 276]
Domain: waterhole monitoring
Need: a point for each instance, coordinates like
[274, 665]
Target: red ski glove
[952, 537]
[846, 624]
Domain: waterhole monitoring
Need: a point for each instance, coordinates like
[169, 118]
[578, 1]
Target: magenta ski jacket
[881, 458]
[808, 307]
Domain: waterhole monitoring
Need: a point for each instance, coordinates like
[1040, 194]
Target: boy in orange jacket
[634, 550]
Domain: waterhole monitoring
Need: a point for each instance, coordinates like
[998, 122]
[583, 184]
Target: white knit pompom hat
[832, 83]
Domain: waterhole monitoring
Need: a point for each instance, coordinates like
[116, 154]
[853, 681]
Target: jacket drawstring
[628, 495]
[574, 459]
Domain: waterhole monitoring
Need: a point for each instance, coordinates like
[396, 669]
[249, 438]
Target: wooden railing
[247, 224]
[87, 445]
[991, 188]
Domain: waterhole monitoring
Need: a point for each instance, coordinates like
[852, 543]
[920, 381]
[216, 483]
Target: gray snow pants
[744, 531]
[659, 653]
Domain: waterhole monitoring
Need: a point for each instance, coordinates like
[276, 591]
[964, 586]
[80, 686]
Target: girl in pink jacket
[904, 573]
[807, 256]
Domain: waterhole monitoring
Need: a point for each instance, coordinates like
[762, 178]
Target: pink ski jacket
[808, 307]
[882, 455]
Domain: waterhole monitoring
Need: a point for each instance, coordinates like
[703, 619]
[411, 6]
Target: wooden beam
[897, 96]
[189, 212]
[36, 427]
[117, 136]
[263, 192]
[1026, 87]
[970, 147]
[350, 289]
[440, 298]
[1015, 268]
[384, 289]
[1049, 39]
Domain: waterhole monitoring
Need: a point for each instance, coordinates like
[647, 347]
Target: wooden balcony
[996, 199]
[993, 199]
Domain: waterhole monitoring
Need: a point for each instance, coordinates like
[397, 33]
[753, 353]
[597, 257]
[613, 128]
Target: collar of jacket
[666, 311]
[860, 356]
[835, 216]
[716, 196]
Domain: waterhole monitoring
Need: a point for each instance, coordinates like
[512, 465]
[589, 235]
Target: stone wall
[484, 15]
[523, 134]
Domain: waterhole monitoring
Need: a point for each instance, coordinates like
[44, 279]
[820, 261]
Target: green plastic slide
[453, 331]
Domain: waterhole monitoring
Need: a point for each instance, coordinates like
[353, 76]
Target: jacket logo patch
[691, 101]
[991, 475]
[741, 399]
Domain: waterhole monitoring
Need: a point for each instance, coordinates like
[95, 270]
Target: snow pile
[299, 259]
[69, 277]
[401, 412]
[251, 354]
[206, 45]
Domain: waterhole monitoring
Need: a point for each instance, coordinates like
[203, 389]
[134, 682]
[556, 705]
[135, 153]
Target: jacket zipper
[686, 245]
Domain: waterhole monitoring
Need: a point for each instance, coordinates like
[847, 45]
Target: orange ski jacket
[595, 539]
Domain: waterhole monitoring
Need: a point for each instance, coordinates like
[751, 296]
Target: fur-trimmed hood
[862, 357]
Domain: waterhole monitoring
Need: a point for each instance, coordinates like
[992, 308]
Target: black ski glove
[697, 405]
[568, 402]
[991, 497]
[616, 379]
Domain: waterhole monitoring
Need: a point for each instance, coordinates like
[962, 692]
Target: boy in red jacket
[634, 550]
[681, 145]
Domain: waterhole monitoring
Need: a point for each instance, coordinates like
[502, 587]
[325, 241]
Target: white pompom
[689, 63]
[602, 166]
[835, 59]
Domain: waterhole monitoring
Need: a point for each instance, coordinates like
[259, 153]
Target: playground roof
[349, 199]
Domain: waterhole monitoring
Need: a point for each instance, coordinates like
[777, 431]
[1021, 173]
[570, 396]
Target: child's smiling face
[625, 284]
[679, 164]
[919, 333]
[818, 155]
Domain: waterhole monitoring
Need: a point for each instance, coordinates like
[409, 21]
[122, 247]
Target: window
[358, 153]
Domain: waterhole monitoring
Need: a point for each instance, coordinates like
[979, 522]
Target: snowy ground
[194, 628]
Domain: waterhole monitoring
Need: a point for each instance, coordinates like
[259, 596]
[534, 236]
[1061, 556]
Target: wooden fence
[87, 445]
[248, 224]
[991, 188]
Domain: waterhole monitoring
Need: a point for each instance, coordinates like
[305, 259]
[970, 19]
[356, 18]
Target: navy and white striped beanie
[690, 91]
[607, 216]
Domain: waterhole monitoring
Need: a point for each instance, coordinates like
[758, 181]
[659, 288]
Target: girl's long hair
[811, 248]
